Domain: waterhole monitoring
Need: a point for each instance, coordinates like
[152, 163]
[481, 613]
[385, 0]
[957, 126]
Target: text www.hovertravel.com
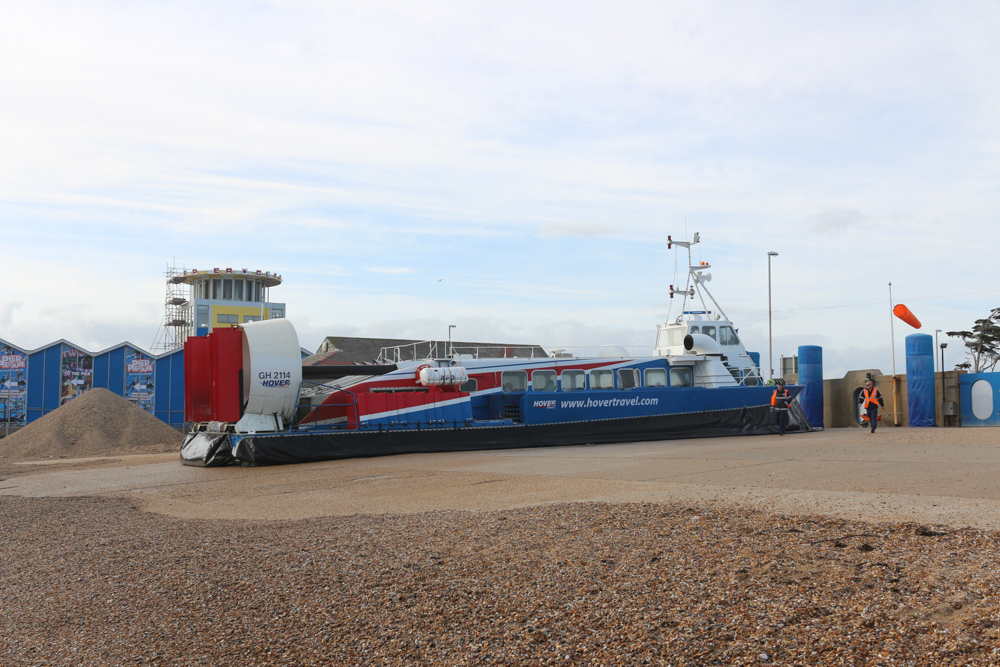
[609, 402]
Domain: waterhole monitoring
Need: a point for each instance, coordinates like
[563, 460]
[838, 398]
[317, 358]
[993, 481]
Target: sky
[512, 168]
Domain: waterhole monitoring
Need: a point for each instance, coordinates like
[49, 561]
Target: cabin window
[695, 330]
[681, 377]
[573, 380]
[708, 331]
[655, 377]
[514, 381]
[628, 378]
[727, 336]
[602, 380]
[670, 337]
[470, 385]
[543, 381]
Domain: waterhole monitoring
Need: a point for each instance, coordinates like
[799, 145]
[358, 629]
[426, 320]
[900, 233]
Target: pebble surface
[97, 581]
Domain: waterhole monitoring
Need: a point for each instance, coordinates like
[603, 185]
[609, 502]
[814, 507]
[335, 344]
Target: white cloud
[536, 156]
[837, 220]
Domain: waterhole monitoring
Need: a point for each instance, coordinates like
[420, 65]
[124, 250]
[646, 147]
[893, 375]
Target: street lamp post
[936, 332]
[770, 347]
[943, 345]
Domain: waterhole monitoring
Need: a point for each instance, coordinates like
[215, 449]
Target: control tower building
[200, 301]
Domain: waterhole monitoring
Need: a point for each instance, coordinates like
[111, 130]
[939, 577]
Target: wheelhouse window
[670, 337]
[514, 381]
[695, 330]
[655, 377]
[727, 336]
[628, 378]
[708, 331]
[573, 380]
[543, 380]
[681, 376]
[602, 380]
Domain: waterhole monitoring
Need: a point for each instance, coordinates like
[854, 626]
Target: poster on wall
[13, 385]
[77, 373]
[139, 379]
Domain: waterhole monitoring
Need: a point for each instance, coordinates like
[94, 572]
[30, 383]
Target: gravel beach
[127, 574]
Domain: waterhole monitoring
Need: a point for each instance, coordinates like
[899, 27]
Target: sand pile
[97, 423]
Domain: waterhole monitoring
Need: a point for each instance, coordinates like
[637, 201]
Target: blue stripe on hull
[567, 407]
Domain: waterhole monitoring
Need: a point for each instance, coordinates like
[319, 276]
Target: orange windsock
[903, 313]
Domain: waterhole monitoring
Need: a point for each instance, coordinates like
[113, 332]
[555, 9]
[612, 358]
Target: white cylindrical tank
[453, 375]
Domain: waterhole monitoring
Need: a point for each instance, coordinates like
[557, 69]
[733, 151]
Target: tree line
[982, 344]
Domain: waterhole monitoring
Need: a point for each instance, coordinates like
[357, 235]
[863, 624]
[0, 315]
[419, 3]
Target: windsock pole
[892, 344]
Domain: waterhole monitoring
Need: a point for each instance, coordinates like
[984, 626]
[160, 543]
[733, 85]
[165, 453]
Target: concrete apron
[933, 475]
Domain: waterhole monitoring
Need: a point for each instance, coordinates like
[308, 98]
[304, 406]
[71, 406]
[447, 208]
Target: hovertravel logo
[634, 401]
[275, 378]
[547, 405]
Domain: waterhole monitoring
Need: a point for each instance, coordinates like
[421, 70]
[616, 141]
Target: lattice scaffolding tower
[177, 314]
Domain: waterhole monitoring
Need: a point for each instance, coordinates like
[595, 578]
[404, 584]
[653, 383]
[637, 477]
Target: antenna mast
[696, 279]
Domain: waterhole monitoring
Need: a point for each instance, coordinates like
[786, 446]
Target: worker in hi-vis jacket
[779, 405]
[871, 400]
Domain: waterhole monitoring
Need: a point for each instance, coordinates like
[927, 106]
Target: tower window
[201, 322]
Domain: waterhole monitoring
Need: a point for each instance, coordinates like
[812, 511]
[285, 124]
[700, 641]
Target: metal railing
[425, 349]
[432, 349]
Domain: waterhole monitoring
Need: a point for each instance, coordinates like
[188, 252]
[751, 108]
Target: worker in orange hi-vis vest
[779, 405]
[871, 400]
